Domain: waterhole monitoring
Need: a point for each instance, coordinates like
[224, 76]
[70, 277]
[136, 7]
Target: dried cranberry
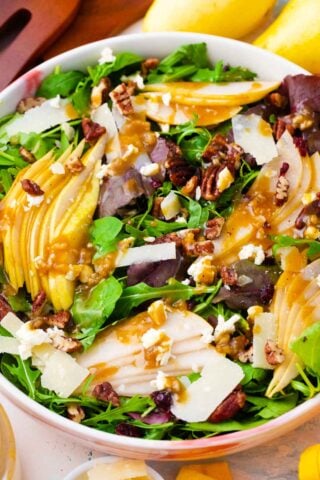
[301, 145]
[128, 430]
[284, 168]
[162, 398]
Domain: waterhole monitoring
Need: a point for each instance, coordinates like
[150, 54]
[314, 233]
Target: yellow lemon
[295, 34]
[309, 465]
[228, 18]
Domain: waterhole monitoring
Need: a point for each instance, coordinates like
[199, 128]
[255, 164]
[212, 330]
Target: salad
[160, 261]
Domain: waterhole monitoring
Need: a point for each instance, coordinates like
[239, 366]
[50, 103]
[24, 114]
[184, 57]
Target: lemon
[228, 18]
[309, 465]
[295, 34]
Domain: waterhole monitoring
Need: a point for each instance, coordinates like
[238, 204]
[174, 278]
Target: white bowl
[269, 67]
[79, 472]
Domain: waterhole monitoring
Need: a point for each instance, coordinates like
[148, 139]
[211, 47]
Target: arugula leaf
[103, 234]
[137, 294]
[198, 215]
[60, 83]
[271, 408]
[36, 143]
[81, 96]
[222, 73]
[287, 241]
[306, 346]
[20, 373]
[171, 74]
[255, 379]
[193, 147]
[90, 310]
[223, 427]
[121, 61]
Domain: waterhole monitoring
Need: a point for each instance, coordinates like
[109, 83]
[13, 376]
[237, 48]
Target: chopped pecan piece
[66, 344]
[105, 392]
[213, 228]
[29, 102]
[38, 303]
[190, 187]
[31, 187]
[220, 150]
[60, 319]
[92, 130]
[209, 190]
[149, 64]
[229, 275]
[4, 307]
[75, 413]
[237, 346]
[121, 97]
[74, 164]
[281, 125]
[26, 155]
[229, 407]
[156, 208]
[179, 170]
[303, 119]
[100, 92]
[196, 249]
[282, 186]
[278, 100]
[274, 354]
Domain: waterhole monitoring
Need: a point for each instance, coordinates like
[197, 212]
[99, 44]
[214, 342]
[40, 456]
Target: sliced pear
[233, 93]
[176, 114]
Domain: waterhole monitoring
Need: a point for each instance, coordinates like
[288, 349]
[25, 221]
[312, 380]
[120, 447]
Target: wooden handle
[98, 19]
[44, 23]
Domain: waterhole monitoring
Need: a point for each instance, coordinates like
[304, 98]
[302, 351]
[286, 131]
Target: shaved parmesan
[219, 378]
[254, 135]
[62, 374]
[121, 469]
[264, 329]
[11, 323]
[147, 253]
[38, 119]
[9, 345]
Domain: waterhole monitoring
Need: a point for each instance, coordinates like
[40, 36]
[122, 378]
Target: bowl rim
[259, 434]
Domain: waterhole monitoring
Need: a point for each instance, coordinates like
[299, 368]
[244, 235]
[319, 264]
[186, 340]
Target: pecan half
[229, 275]
[282, 186]
[196, 249]
[278, 100]
[92, 130]
[38, 303]
[229, 407]
[4, 307]
[29, 102]
[26, 155]
[148, 65]
[105, 392]
[99, 93]
[121, 97]
[221, 150]
[179, 170]
[213, 228]
[66, 344]
[274, 354]
[209, 190]
[190, 187]
[31, 187]
[75, 413]
[60, 319]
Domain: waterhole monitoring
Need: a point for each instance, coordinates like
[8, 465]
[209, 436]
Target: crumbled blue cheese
[57, 168]
[252, 251]
[152, 337]
[106, 56]
[136, 78]
[33, 201]
[202, 270]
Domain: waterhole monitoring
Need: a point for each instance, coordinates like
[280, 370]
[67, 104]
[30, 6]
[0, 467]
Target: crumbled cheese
[225, 326]
[180, 219]
[198, 194]
[170, 206]
[202, 270]
[225, 179]
[164, 127]
[33, 201]
[131, 149]
[29, 338]
[150, 170]
[102, 172]
[149, 239]
[152, 337]
[135, 77]
[166, 98]
[161, 381]
[68, 130]
[186, 281]
[252, 251]
[106, 56]
[57, 168]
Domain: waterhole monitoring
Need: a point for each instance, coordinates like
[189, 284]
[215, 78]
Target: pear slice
[215, 93]
[296, 307]
[176, 114]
